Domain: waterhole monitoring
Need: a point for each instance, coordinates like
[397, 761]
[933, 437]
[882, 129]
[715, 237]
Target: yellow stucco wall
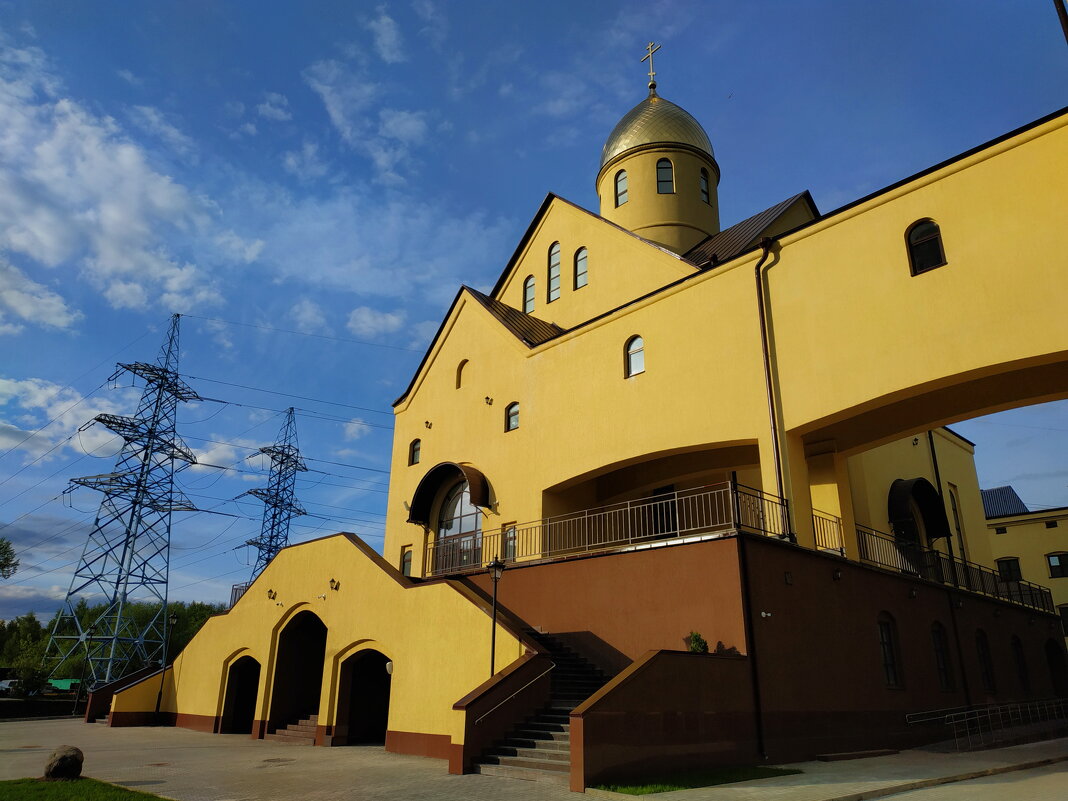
[436, 637]
[852, 333]
[1028, 538]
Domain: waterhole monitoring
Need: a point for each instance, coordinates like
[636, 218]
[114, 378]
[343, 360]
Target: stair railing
[490, 711]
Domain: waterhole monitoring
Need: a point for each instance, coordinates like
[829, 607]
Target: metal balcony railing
[237, 591]
[883, 550]
[719, 509]
[828, 531]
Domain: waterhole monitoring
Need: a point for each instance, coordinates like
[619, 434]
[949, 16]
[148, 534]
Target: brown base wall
[436, 746]
[141, 719]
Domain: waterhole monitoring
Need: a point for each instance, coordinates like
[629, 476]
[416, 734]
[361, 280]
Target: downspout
[941, 494]
[776, 452]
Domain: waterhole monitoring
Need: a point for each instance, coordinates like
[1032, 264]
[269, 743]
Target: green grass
[696, 778]
[76, 790]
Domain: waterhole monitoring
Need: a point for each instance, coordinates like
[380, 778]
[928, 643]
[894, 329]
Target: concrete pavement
[192, 766]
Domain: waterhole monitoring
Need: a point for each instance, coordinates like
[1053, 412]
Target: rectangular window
[1009, 569]
[888, 644]
[406, 560]
[941, 651]
[1000, 529]
[508, 542]
[1051, 524]
[1058, 565]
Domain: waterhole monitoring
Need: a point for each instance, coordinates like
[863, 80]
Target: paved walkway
[191, 766]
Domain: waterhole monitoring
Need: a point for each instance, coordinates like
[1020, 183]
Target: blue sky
[339, 168]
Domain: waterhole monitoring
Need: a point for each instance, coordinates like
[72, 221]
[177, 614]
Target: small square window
[1051, 524]
[1000, 529]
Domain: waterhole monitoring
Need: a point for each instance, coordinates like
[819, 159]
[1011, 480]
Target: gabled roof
[527, 327]
[1001, 501]
[733, 241]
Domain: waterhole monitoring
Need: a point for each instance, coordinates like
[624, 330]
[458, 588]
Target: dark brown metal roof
[1001, 501]
[733, 241]
[529, 329]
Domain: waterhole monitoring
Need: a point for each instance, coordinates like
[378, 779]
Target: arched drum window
[924, 240]
[665, 177]
[621, 187]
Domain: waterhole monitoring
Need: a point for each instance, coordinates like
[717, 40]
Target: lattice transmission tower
[126, 559]
[281, 504]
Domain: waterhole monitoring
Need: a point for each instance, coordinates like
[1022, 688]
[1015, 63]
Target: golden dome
[653, 121]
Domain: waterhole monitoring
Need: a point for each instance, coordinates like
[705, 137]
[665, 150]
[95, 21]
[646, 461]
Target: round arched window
[459, 540]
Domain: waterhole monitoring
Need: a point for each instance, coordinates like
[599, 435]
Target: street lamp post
[173, 621]
[81, 678]
[496, 568]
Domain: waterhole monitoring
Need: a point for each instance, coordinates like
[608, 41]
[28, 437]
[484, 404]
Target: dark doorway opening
[298, 673]
[363, 699]
[242, 690]
[1058, 668]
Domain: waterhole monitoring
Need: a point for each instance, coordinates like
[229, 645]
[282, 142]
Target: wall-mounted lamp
[915, 440]
[389, 668]
[279, 604]
[765, 614]
[489, 401]
[272, 594]
[788, 577]
[428, 424]
[837, 574]
[335, 585]
[321, 597]
[959, 603]
[913, 593]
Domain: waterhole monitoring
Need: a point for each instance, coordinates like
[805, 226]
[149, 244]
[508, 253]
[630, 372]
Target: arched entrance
[1058, 668]
[242, 690]
[918, 518]
[298, 671]
[363, 699]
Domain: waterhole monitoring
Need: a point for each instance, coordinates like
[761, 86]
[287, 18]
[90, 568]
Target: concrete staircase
[539, 748]
[302, 732]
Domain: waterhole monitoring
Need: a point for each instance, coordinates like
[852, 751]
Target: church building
[672, 494]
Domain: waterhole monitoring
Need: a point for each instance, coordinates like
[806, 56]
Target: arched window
[413, 451]
[553, 291]
[511, 417]
[1021, 664]
[459, 531]
[986, 666]
[890, 651]
[943, 665]
[665, 177]
[621, 187]
[581, 274]
[634, 356]
[924, 241]
[528, 294]
[460, 373]
[704, 185]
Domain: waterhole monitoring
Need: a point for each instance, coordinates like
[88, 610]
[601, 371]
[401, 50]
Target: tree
[8, 562]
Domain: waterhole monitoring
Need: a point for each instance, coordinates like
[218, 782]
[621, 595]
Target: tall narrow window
[986, 666]
[508, 538]
[413, 451]
[460, 373]
[1022, 673]
[634, 357]
[704, 185]
[890, 651]
[1009, 569]
[1058, 564]
[941, 655]
[581, 268]
[406, 560]
[528, 294]
[511, 417]
[621, 187]
[924, 241]
[554, 273]
[665, 177]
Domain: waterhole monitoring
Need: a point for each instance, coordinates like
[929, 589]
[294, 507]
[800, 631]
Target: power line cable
[304, 333]
[287, 395]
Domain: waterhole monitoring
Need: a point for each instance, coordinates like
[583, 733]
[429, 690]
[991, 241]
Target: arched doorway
[918, 518]
[363, 699]
[1058, 668]
[242, 690]
[298, 671]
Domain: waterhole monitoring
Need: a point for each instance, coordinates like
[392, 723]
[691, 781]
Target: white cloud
[237, 248]
[76, 190]
[404, 126]
[30, 302]
[130, 78]
[304, 163]
[356, 428]
[435, 25]
[275, 107]
[308, 316]
[345, 95]
[367, 322]
[152, 121]
[387, 37]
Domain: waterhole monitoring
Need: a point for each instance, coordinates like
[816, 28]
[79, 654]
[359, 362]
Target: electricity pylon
[281, 504]
[126, 559]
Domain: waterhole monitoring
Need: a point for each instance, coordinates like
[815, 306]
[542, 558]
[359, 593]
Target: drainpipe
[941, 494]
[776, 451]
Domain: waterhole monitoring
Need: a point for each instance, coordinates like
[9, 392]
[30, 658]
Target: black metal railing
[911, 558]
[827, 529]
[718, 509]
[237, 591]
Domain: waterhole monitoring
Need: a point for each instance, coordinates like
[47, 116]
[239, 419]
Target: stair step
[537, 725]
[289, 739]
[530, 742]
[527, 774]
[313, 720]
[525, 762]
[541, 734]
[300, 727]
[536, 753]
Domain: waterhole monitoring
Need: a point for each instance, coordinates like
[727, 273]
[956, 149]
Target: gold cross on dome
[652, 48]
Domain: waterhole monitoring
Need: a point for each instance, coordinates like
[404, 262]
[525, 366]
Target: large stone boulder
[65, 763]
